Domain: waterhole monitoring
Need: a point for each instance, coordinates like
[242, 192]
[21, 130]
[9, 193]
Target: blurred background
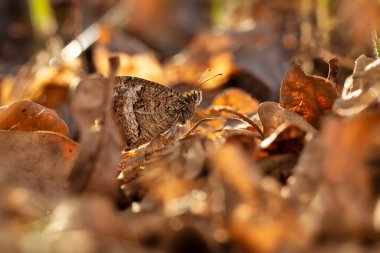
[314, 27]
[256, 37]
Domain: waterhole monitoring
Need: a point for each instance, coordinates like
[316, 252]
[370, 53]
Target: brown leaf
[237, 99]
[307, 174]
[272, 115]
[284, 130]
[244, 138]
[40, 161]
[26, 115]
[100, 139]
[309, 96]
[361, 89]
[253, 212]
[285, 139]
[278, 166]
[234, 165]
[350, 172]
[41, 83]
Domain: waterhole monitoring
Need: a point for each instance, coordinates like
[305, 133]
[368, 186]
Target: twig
[240, 116]
[196, 126]
[333, 74]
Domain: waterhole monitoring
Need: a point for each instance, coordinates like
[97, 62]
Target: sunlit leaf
[309, 96]
[236, 99]
[26, 115]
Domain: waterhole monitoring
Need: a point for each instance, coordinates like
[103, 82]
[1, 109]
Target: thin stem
[240, 116]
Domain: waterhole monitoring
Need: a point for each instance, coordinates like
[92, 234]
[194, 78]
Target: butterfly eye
[198, 97]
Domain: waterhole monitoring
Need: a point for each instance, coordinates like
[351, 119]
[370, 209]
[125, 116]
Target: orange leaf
[309, 96]
[238, 100]
[26, 115]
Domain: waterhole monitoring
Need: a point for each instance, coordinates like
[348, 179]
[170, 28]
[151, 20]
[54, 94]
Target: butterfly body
[146, 109]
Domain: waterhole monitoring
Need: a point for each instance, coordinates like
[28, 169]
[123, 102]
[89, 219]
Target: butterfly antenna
[205, 81]
[203, 75]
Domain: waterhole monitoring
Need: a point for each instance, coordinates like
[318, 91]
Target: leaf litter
[244, 175]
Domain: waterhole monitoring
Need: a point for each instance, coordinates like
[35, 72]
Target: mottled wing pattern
[145, 109]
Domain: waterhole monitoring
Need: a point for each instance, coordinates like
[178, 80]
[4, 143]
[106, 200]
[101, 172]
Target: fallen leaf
[309, 96]
[285, 139]
[246, 202]
[278, 166]
[349, 175]
[26, 115]
[39, 161]
[95, 170]
[361, 89]
[272, 116]
[245, 138]
[349, 85]
[307, 174]
[237, 99]
[144, 65]
[234, 165]
[36, 82]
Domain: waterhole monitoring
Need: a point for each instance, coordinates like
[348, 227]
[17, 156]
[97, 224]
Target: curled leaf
[361, 89]
[272, 116]
[26, 115]
[285, 139]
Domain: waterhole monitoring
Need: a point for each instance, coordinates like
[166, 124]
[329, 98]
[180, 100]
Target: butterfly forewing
[145, 109]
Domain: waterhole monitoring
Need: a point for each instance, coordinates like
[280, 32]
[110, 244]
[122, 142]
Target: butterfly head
[194, 96]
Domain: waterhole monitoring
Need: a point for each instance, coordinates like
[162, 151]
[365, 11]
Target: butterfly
[145, 109]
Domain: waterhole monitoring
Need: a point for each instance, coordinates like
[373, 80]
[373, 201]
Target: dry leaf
[285, 139]
[26, 115]
[100, 139]
[36, 82]
[40, 161]
[307, 174]
[349, 184]
[246, 202]
[361, 89]
[237, 99]
[244, 138]
[272, 116]
[144, 65]
[309, 96]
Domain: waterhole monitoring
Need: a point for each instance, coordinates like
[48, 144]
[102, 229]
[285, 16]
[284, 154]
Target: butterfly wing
[144, 109]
